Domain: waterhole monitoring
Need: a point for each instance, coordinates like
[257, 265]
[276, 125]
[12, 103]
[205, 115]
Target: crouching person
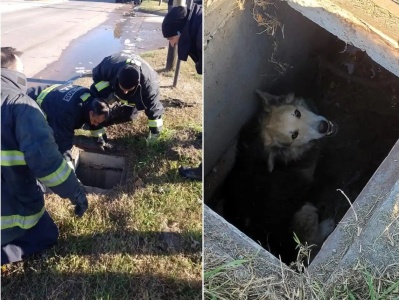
[28, 153]
[68, 107]
[128, 79]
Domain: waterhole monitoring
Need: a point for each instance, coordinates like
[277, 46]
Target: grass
[152, 6]
[234, 272]
[225, 281]
[142, 240]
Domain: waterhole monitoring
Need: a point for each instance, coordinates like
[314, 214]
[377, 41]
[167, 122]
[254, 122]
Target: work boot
[191, 173]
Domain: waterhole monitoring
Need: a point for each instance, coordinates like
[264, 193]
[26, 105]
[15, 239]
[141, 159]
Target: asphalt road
[63, 39]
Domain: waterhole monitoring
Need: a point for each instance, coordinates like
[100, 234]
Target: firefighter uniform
[66, 108]
[144, 97]
[190, 41]
[186, 23]
[28, 153]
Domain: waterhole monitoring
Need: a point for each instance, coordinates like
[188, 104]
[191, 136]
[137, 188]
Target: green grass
[142, 240]
[152, 6]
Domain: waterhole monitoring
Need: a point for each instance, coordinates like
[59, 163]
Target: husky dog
[289, 128]
[277, 153]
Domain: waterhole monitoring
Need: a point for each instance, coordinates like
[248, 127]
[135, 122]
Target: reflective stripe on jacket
[67, 108]
[28, 153]
[24, 222]
[144, 97]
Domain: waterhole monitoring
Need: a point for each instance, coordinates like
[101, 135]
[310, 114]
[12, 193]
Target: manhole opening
[99, 171]
[345, 86]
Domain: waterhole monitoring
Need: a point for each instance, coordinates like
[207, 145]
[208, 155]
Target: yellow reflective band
[85, 96]
[121, 100]
[155, 123]
[44, 93]
[11, 158]
[57, 177]
[98, 132]
[101, 85]
[25, 222]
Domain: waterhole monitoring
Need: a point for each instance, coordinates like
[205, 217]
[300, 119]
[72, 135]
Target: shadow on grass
[52, 284]
[123, 241]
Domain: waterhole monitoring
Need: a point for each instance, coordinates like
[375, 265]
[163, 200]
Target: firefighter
[129, 79]
[68, 107]
[183, 27]
[28, 154]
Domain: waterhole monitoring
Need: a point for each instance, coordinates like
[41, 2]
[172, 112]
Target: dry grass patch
[143, 239]
[238, 279]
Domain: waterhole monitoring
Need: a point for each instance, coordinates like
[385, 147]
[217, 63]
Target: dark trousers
[40, 237]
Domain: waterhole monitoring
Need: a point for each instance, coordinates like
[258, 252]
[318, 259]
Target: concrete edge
[352, 30]
[235, 245]
[355, 233]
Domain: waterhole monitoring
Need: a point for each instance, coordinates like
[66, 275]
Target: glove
[80, 202]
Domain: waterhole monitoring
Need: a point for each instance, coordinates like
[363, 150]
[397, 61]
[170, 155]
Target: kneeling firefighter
[68, 107]
[29, 154]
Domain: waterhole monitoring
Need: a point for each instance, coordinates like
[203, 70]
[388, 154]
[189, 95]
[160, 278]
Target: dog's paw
[326, 227]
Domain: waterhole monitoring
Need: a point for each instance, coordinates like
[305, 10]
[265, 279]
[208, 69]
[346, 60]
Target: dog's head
[287, 123]
[290, 122]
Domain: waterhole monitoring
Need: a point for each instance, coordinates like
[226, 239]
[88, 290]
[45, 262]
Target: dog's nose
[323, 127]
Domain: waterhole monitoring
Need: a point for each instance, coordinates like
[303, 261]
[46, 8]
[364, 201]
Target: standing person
[68, 107]
[183, 27]
[28, 153]
[129, 79]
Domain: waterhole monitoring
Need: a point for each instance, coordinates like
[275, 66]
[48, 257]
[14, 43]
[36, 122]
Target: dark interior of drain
[100, 177]
[358, 94]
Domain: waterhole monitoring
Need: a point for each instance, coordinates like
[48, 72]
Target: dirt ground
[363, 99]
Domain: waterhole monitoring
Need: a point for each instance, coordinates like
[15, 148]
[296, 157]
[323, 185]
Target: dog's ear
[268, 99]
[290, 99]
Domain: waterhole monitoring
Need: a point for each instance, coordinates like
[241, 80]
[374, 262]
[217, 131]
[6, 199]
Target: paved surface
[62, 39]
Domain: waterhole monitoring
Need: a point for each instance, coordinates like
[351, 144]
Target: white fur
[305, 224]
[279, 122]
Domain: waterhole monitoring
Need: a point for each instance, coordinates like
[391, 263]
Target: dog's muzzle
[328, 128]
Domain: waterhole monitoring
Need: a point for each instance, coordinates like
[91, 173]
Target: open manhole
[99, 173]
[342, 82]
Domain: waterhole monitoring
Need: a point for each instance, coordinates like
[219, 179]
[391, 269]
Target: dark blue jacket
[66, 107]
[28, 151]
[145, 97]
[190, 41]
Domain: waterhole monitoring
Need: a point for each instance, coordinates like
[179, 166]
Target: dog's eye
[297, 113]
[294, 135]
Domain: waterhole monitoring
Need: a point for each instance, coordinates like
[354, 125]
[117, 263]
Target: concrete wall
[235, 58]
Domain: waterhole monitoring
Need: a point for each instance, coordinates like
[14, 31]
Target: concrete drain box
[350, 70]
[99, 173]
